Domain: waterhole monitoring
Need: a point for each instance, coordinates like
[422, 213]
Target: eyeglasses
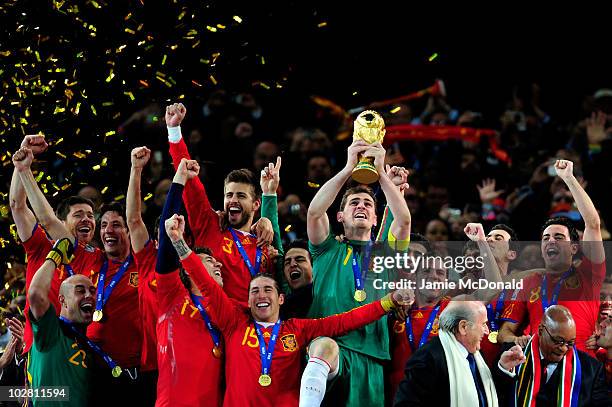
[560, 342]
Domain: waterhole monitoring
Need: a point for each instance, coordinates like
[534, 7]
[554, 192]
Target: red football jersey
[189, 374]
[579, 293]
[243, 362]
[119, 333]
[37, 247]
[400, 348]
[204, 223]
[147, 304]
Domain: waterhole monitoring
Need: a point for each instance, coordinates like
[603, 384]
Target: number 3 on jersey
[227, 247]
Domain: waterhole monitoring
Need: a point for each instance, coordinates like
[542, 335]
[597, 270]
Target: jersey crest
[133, 279]
[289, 343]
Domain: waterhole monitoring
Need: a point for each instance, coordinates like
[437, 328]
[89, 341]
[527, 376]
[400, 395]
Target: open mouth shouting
[234, 213]
[360, 216]
[552, 252]
[87, 308]
[295, 274]
[110, 241]
[83, 232]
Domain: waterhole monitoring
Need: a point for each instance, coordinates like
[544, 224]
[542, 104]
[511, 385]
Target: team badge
[246, 241]
[289, 343]
[572, 283]
[266, 334]
[133, 279]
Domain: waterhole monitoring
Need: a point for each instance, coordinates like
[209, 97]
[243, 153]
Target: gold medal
[97, 315]
[493, 337]
[360, 295]
[217, 352]
[116, 371]
[265, 380]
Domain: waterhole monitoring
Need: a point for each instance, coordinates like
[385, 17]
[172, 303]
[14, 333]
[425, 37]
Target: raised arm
[221, 307]
[38, 293]
[592, 223]
[269, 181]
[341, 324]
[138, 230]
[317, 222]
[199, 210]
[475, 232]
[167, 259]
[22, 160]
[399, 177]
[22, 215]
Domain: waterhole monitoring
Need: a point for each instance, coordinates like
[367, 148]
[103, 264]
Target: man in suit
[449, 370]
[551, 371]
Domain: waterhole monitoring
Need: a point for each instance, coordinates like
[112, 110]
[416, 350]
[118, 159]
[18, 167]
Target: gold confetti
[211, 29]
[313, 185]
[288, 228]
[96, 167]
[433, 56]
[119, 197]
[104, 190]
[213, 80]
[237, 19]
[396, 109]
[148, 196]
[322, 24]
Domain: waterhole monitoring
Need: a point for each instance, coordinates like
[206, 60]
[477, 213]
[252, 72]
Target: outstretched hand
[475, 232]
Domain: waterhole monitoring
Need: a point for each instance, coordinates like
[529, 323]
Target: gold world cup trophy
[369, 127]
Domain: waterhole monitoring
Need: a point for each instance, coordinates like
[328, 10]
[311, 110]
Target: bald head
[557, 316]
[467, 321]
[557, 333]
[77, 299]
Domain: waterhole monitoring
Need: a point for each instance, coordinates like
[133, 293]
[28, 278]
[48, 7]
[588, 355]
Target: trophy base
[365, 173]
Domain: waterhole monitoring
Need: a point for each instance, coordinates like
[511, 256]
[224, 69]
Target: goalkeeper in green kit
[341, 282]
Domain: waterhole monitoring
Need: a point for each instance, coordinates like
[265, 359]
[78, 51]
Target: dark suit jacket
[593, 390]
[426, 382]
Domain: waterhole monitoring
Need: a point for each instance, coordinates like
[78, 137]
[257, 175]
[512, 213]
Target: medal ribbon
[109, 361]
[253, 270]
[103, 294]
[266, 354]
[213, 332]
[357, 274]
[426, 331]
[556, 290]
[493, 314]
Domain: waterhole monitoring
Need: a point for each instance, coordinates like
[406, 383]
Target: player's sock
[314, 382]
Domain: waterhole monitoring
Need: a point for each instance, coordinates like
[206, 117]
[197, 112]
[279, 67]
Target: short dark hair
[299, 244]
[183, 274]
[514, 243]
[63, 208]
[244, 176]
[267, 275]
[359, 189]
[420, 239]
[563, 221]
[113, 207]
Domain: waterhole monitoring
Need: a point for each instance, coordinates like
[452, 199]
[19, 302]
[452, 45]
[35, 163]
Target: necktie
[544, 375]
[479, 387]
